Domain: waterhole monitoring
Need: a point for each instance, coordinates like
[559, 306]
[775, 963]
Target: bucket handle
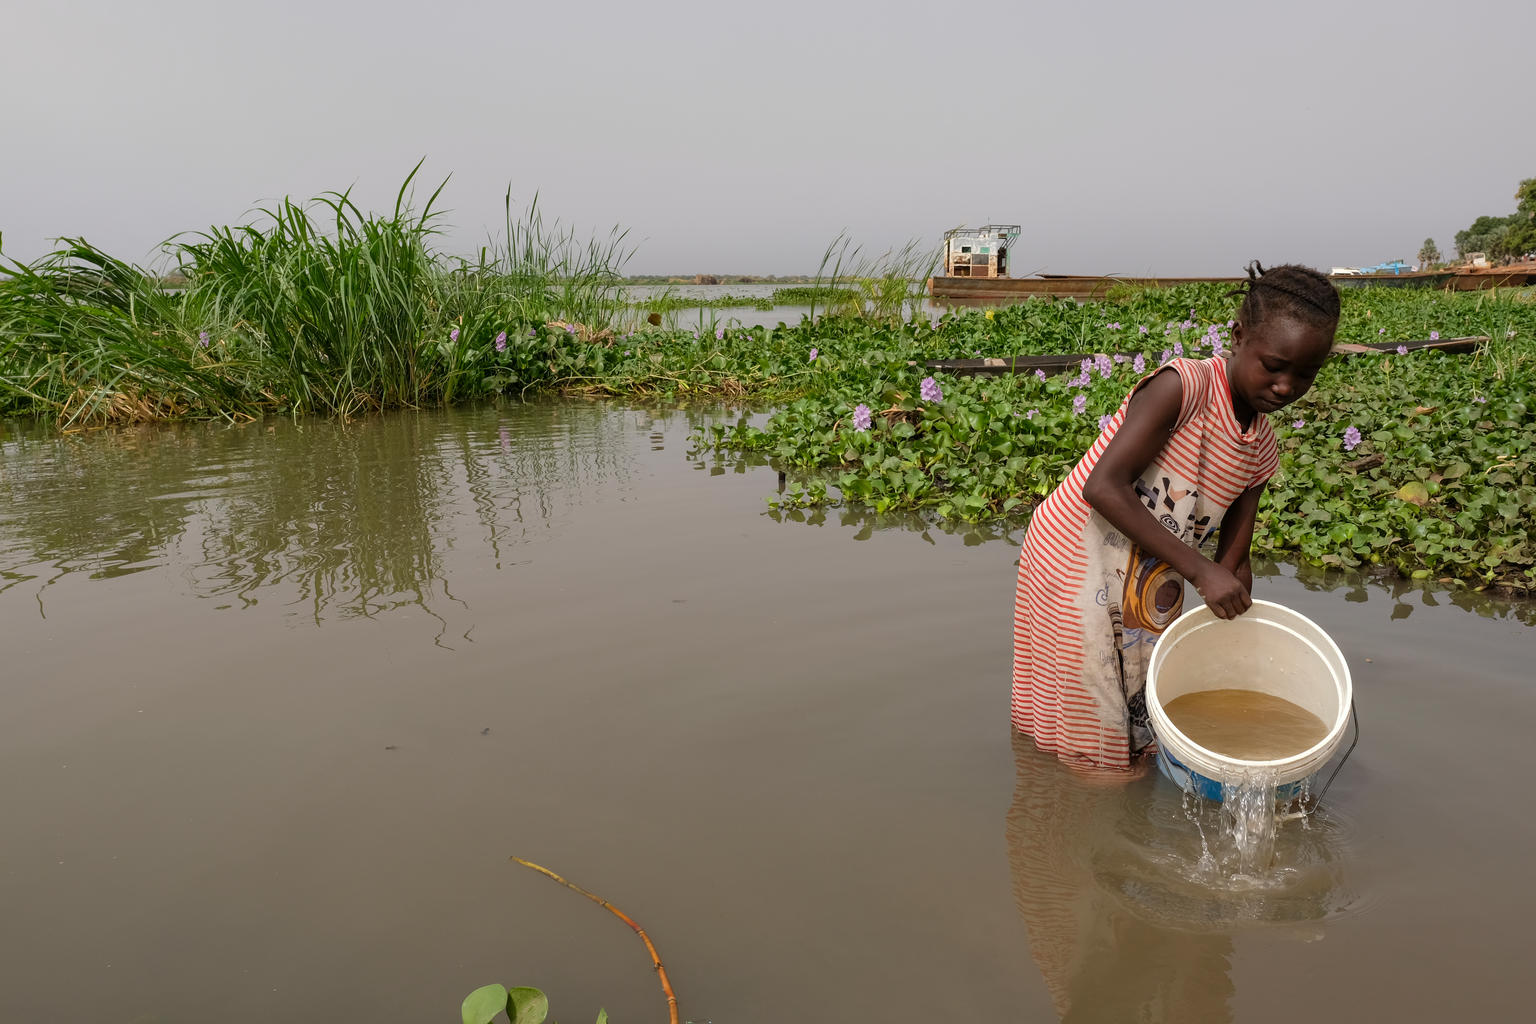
[1354, 716]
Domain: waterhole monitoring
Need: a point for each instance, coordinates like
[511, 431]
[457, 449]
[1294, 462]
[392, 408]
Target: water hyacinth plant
[999, 443]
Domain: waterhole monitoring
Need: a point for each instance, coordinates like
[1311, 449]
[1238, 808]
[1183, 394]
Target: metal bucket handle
[1354, 717]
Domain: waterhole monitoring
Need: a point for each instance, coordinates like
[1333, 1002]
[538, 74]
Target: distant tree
[1499, 237]
[1429, 253]
[1487, 234]
[1522, 230]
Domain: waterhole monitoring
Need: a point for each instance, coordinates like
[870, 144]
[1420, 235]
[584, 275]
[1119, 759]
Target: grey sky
[1124, 137]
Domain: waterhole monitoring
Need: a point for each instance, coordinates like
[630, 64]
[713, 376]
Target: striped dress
[1090, 605]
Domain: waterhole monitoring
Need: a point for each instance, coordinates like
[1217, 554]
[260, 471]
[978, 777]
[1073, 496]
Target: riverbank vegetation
[1423, 463]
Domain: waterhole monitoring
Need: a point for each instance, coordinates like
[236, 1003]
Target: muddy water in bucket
[1246, 724]
[1250, 726]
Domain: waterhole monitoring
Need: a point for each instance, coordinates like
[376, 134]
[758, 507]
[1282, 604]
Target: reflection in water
[344, 520]
[1122, 923]
[1359, 588]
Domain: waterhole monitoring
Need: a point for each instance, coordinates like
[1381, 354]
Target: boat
[1470, 277]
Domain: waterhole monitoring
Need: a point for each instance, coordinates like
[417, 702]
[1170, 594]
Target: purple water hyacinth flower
[453, 335]
[570, 328]
[1230, 324]
[1382, 331]
[1351, 438]
[1031, 414]
[1142, 329]
[202, 338]
[626, 351]
[1167, 355]
[1115, 326]
[1103, 364]
[1434, 335]
[1217, 348]
[1104, 421]
[1139, 364]
[1299, 424]
[1121, 357]
[1480, 400]
[1079, 405]
[719, 333]
[861, 417]
[501, 342]
[532, 333]
[1040, 374]
[1178, 348]
[814, 354]
[1402, 350]
[1082, 380]
[929, 390]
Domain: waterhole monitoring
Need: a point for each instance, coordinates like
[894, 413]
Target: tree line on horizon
[1508, 237]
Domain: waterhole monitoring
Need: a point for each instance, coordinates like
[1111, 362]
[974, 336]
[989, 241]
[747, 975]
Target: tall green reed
[315, 307]
[887, 288]
[91, 339]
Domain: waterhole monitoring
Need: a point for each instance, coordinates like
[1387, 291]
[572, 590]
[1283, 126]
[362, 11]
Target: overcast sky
[1125, 137]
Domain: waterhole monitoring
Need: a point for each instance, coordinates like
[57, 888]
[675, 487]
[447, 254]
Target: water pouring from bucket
[1247, 711]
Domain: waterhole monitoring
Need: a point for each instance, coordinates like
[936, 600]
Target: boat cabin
[979, 252]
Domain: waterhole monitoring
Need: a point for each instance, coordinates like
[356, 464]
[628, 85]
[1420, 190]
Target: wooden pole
[666, 985]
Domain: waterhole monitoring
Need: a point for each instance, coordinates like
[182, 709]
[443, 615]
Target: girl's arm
[1235, 540]
[1110, 490]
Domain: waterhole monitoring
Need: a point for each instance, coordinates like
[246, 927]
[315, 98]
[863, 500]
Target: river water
[709, 317]
[282, 699]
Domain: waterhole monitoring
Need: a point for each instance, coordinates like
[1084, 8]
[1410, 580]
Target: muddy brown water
[1246, 724]
[282, 699]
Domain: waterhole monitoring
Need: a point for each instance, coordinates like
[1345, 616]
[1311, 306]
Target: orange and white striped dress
[1090, 605]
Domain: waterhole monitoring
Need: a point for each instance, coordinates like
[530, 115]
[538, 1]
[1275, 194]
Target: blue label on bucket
[1191, 781]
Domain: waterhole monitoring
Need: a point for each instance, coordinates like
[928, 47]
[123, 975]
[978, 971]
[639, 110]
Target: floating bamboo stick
[666, 986]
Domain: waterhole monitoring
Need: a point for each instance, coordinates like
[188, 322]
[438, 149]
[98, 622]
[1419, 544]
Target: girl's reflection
[1101, 961]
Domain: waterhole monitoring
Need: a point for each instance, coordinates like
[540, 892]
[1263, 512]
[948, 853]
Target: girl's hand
[1223, 591]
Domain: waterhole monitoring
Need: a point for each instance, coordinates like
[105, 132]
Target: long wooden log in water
[993, 291]
[1060, 364]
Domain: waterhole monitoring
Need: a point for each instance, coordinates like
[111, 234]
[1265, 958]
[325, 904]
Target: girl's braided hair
[1290, 292]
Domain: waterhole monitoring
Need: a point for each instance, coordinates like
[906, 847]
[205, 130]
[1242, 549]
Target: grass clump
[317, 307]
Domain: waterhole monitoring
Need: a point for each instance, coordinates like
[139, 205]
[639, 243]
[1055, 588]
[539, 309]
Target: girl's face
[1274, 363]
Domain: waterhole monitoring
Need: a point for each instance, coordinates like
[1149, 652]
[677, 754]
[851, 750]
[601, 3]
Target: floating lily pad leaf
[483, 1004]
[527, 1006]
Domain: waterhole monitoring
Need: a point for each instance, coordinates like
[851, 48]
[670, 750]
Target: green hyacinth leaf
[527, 1006]
[483, 1004]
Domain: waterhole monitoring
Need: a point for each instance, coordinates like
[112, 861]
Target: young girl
[1104, 561]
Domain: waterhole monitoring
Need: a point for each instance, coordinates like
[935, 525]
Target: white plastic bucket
[1268, 648]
